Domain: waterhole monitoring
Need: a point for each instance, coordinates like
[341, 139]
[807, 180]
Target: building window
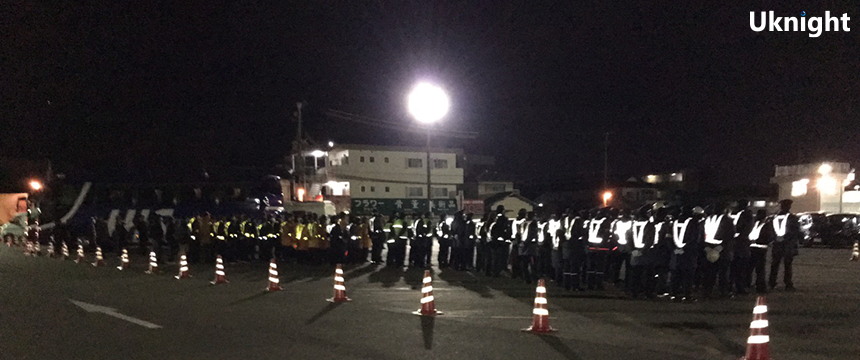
[414, 191]
[440, 163]
[494, 188]
[362, 188]
[386, 160]
[361, 159]
[414, 163]
[798, 188]
[346, 160]
[373, 189]
[440, 192]
[387, 189]
[372, 159]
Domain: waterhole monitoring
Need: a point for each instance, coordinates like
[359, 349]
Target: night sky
[120, 86]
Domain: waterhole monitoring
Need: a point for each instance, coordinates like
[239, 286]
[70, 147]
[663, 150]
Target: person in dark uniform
[555, 231]
[423, 237]
[760, 236]
[619, 256]
[598, 248]
[156, 237]
[120, 236]
[481, 244]
[573, 249]
[743, 221]
[443, 236]
[142, 228]
[527, 248]
[641, 266]
[719, 234]
[471, 242]
[377, 237]
[499, 234]
[459, 241]
[338, 238]
[787, 235]
[170, 237]
[400, 234]
[686, 233]
[516, 238]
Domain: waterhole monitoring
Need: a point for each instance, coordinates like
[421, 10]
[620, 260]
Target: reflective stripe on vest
[621, 228]
[678, 233]
[756, 231]
[712, 224]
[780, 227]
[594, 231]
[639, 234]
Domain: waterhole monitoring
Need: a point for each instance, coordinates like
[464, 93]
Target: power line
[399, 126]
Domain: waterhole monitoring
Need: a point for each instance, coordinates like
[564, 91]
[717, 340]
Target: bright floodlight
[427, 103]
[35, 185]
[318, 153]
[825, 169]
[331, 144]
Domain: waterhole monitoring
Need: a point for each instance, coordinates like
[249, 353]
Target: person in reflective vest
[686, 233]
[544, 250]
[598, 248]
[661, 251]
[787, 235]
[619, 256]
[500, 234]
[423, 237]
[516, 237]
[717, 242]
[761, 235]
[319, 254]
[459, 241]
[377, 237]
[554, 235]
[288, 239]
[389, 239]
[743, 220]
[642, 234]
[443, 237]
[314, 243]
[573, 249]
[400, 234]
[471, 241]
[481, 246]
[527, 249]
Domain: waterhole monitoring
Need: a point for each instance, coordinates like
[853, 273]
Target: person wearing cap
[499, 233]
[573, 248]
[598, 248]
[685, 234]
[527, 248]
[787, 235]
[717, 244]
[377, 237]
[641, 279]
[760, 236]
[743, 220]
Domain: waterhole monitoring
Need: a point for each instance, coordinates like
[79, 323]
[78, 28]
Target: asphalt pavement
[56, 309]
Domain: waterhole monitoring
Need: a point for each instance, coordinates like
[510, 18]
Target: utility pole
[299, 166]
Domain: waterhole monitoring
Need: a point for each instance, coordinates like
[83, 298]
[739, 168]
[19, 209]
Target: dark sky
[122, 86]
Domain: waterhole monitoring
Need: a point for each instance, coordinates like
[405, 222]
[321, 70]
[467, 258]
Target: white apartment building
[817, 187]
[386, 178]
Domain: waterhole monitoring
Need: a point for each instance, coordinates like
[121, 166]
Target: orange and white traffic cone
[758, 344]
[37, 249]
[51, 251]
[855, 253]
[124, 261]
[428, 303]
[29, 249]
[80, 258]
[183, 268]
[65, 251]
[540, 314]
[339, 287]
[100, 261]
[274, 283]
[220, 275]
[153, 264]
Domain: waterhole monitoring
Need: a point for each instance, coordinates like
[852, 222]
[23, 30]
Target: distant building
[512, 201]
[384, 178]
[818, 187]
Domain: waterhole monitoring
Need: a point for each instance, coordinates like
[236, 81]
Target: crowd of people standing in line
[650, 252]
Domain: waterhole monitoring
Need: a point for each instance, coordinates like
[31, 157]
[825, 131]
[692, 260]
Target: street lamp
[427, 103]
[606, 197]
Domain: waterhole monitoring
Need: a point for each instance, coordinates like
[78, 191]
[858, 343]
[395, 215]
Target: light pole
[427, 103]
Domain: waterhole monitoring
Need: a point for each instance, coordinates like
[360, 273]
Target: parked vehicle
[811, 225]
[840, 230]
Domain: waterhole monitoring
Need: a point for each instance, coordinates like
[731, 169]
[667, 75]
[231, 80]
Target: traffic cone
[220, 275]
[153, 264]
[65, 251]
[855, 254]
[274, 283]
[124, 261]
[37, 249]
[80, 258]
[428, 303]
[758, 344]
[29, 249]
[339, 288]
[540, 314]
[51, 250]
[183, 268]
[100, 261]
